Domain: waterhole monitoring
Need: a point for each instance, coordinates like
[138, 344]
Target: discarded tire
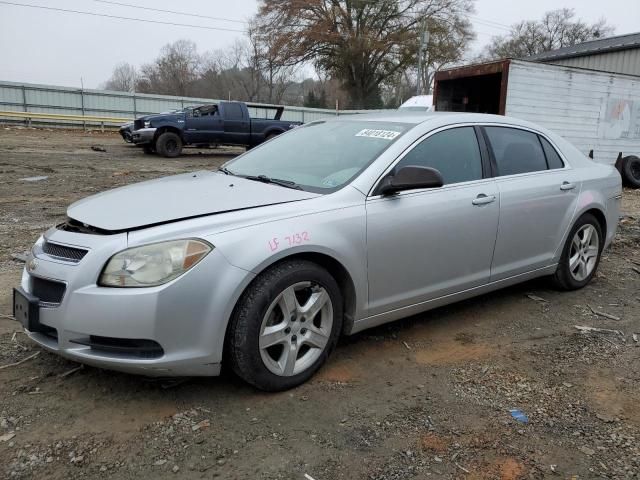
[631, 171]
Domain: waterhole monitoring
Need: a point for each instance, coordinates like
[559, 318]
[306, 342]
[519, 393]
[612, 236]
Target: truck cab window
[233, 111]
[207, 110]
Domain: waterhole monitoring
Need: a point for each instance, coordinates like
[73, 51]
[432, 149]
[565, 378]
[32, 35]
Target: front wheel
[581, 254]
[169, 145]
[285, 325]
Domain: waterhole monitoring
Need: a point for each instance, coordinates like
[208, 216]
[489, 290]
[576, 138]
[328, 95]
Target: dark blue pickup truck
[224, 123]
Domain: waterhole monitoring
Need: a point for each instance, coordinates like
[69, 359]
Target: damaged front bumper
[144, 136]
[167, 330]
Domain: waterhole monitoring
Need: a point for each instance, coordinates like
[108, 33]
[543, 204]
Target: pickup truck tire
[631, 171]
[270, 136]
[169, 145]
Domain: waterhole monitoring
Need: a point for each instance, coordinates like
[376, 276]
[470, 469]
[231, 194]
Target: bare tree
[556, 29]
[123, 78]
[250, 59]
[173, 72]
[362, 43]
[447, 45]
[277, 72]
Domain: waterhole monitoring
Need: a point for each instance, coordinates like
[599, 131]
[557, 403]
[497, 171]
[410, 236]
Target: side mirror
[409, 178]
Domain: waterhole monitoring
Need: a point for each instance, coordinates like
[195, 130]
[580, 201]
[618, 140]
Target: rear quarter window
[516, 151]
[553, 159]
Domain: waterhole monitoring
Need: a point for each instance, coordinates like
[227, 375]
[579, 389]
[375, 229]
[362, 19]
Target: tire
[631, 171]
[169, 145]
[270, 136]
[260, 358]
[575, 275]
[148, 149]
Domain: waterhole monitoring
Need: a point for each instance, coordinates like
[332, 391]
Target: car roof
[437, 119]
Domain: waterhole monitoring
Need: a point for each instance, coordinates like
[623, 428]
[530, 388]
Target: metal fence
[49, 99]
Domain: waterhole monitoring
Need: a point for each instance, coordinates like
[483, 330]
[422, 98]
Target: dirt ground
[425, 397]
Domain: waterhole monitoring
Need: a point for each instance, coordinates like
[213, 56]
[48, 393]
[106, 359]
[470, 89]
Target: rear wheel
[169, 145]
[581, 254]
[285, 325]
[631, 171]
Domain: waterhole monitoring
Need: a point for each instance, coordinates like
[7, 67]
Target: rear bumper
[144, 136]
[612, 217]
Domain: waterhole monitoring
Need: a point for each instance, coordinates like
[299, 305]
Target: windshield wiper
[226, 171]
[275, 181]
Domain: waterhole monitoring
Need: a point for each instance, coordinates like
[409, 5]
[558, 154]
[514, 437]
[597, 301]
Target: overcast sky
[50, 47]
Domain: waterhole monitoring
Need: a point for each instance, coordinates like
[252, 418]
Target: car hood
[178, 197]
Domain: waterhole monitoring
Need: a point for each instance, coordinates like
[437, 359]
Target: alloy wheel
[296, 329]
[583, 255]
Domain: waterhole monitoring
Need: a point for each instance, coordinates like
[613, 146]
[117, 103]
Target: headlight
[147, 124]
[154, 264]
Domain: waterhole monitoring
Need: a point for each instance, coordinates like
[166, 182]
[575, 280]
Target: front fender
[339, 234]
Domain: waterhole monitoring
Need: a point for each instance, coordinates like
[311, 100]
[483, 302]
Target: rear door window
[516, 151]
[454, 153]
[553, 159]
[233, 111]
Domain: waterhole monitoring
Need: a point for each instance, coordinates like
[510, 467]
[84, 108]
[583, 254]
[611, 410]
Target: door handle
[567, 186]
[483, 199]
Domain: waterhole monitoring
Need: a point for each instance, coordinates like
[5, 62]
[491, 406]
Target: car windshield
[320, 157]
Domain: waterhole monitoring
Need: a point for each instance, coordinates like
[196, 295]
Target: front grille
[146, 349]
[47, 291]
[70, 254]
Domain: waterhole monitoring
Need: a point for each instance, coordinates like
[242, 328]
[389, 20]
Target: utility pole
[424, 41]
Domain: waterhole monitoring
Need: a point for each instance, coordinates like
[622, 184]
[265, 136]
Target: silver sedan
[332, 228]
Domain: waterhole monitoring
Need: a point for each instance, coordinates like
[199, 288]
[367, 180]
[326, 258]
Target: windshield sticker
[329, 182]
[384, 134]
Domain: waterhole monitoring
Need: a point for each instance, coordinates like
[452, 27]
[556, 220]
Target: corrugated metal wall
[25, 97]
[622, 61]
[593, 110]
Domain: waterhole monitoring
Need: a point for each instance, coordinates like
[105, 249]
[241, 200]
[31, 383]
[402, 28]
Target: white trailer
[599, 112]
